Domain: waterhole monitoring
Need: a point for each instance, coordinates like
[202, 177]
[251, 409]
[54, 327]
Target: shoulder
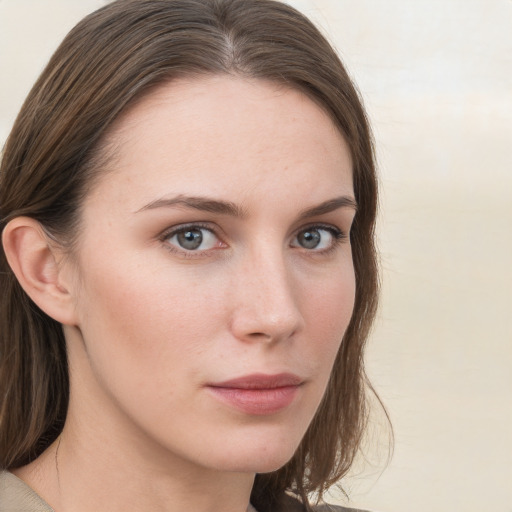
[17, 496]
[336, 508]
[290, 504]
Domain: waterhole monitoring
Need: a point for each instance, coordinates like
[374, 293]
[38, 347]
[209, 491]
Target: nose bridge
[266, 302]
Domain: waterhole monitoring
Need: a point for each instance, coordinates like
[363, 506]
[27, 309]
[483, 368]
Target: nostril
[260, 335]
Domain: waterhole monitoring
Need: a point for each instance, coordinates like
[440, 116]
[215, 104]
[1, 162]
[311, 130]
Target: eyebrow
[329, 206]
[206, 204]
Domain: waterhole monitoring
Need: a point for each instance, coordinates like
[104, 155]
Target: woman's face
[213, 275]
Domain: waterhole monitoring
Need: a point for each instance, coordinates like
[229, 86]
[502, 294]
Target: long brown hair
[111, 58]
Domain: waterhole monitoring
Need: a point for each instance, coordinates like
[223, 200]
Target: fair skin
[215, 248]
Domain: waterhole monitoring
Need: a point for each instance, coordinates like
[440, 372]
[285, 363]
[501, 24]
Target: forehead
[228, 134]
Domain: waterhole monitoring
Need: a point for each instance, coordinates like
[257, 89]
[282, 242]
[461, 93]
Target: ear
[38, 265]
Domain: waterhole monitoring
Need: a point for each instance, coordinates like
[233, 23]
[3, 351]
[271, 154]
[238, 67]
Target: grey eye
[317, 238]
[193, 238]
[190, 239]
[309, 239]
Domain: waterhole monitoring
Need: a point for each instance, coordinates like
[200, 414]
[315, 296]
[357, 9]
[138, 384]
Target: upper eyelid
[340, 218]
[321, 225]
[173, 230]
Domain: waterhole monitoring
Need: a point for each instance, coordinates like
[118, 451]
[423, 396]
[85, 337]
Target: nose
[266, 300]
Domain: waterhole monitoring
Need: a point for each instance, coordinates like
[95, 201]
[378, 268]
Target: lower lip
[257, 401]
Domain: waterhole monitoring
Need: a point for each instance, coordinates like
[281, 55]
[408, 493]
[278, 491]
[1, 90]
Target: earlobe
[36, 263]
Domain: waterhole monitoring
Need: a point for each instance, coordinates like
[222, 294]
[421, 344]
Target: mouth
[258, 394]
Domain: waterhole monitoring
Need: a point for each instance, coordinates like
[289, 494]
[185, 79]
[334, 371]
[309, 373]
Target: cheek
[328, 309]
[145, 338]
[134, 321]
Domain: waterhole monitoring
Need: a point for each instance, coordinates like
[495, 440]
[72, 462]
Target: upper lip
[260, 381]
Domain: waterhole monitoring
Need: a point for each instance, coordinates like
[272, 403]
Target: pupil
[310, 239]
[191, 239]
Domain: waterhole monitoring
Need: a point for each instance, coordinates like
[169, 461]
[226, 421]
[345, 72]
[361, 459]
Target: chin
[259, 456]
[271, 465]
[261, 464]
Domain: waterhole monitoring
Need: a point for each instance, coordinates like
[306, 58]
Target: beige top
[17, 496]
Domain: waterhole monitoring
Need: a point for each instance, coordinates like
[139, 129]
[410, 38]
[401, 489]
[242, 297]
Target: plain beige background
[436, 77]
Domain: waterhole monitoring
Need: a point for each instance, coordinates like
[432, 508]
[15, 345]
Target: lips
[258, 394]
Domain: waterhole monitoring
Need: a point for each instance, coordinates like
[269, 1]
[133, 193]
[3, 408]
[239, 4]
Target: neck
[74, 476]
[103, 462]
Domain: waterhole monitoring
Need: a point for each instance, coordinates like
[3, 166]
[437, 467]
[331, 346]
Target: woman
[188, 200]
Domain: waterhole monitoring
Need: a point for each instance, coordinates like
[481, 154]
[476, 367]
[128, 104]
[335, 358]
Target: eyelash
[169, 233]
[338, 235]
